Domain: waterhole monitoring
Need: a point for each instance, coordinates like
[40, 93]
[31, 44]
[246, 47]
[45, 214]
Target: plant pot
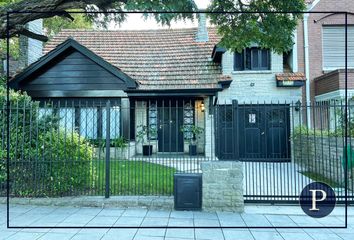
[147, 150]
[192, 150]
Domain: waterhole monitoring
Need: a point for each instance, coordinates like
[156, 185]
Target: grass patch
[135, 178]
[320, 178]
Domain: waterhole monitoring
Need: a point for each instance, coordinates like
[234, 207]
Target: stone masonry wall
[321, 155]
[222, 186]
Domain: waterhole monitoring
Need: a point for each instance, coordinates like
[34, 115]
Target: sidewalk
[269, 216]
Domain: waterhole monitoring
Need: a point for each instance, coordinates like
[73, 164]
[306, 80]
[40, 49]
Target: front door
[170, 137]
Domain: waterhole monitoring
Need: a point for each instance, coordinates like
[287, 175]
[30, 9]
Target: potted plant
[194, 132]
[142, 135]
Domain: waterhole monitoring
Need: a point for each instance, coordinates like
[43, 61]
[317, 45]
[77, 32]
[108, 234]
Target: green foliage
[45, 160]
[120, 142]
[303, 131]
[194, 130]
[55, 24]
[267, 30]
[14, 48]
[144, 131]
[317, 177]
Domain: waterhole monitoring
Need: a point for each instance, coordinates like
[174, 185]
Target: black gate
[258, 132]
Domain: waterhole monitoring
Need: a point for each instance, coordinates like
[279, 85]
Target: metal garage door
[253, 132]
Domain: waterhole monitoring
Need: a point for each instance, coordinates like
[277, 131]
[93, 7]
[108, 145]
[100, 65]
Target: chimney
[31, 49]
[202, 34]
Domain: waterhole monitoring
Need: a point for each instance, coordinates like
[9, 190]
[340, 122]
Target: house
[168, 79]
[320, 52]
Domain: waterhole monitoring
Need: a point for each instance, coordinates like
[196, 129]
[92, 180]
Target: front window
[252, 59]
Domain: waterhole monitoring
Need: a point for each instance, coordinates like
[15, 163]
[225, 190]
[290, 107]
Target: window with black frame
[188, 121]
[152, 124]
[253, 59]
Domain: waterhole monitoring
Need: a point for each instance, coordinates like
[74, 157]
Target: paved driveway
[253, 216]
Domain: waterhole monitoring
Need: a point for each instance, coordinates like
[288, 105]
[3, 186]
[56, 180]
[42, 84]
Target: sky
[136, 22]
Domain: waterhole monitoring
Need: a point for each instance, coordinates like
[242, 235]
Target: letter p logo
[317, 200]
[314, 198]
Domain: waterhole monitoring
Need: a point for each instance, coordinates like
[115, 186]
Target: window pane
[67, 118]
[265, 59]
[248, 59]
[44, 112]
[188, 116]
[255, 64]
[238, 61]
[114, 122]
[88, 123]
[153, 120]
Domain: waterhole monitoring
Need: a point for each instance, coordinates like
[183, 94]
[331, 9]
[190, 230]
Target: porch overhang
[173, 92]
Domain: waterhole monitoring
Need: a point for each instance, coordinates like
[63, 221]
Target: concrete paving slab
[236, 234]
[56, 236]
[129, 221]
[155, 232]
[134, 213]
[158, 214]
[121, 234]
[155, 221]
[99, 221]
[296, 236]
[263, 235]
[210, 234]
[206, 222]
[187, 233]
[180, 222]
[181, 214]
[25, 236]
[67, 216]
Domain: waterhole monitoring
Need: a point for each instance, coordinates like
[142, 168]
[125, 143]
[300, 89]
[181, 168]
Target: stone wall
[222, 186]
[321, 155]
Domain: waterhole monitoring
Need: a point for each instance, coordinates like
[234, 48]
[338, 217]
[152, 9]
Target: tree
[267, 30]
[273, 30]
[51, 8]
[53, 25]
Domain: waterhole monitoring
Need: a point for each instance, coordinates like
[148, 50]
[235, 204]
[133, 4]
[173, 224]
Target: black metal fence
[101, 147]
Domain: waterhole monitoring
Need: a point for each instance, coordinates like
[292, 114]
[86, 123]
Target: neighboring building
[148, 73]
[321, 56]
[321, 50]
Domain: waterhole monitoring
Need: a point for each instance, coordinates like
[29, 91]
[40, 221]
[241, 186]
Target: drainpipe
[307, 70]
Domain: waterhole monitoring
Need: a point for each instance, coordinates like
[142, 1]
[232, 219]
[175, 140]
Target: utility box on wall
[188, 191]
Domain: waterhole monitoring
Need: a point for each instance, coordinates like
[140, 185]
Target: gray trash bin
[188, 191]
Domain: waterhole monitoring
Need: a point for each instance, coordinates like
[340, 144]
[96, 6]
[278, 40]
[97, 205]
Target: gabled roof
[163, 59]
[61, 48]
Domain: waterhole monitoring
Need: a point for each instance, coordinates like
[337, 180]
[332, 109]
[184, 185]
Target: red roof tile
[290, 76]
[156, 59]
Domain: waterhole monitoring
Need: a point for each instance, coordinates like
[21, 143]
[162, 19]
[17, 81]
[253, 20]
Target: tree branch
[24, 31]
[42, 9]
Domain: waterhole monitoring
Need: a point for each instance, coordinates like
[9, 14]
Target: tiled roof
[156, 59]
[289, 76]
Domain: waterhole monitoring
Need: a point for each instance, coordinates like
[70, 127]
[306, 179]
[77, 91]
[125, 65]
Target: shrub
[44, 161]
[61, 165]
[303, 131]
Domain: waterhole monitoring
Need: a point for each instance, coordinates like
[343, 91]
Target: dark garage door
[253, 132]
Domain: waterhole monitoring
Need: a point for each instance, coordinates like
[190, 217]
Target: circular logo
[317, 200]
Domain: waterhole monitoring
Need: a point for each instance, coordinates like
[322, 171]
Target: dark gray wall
[71, 73]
